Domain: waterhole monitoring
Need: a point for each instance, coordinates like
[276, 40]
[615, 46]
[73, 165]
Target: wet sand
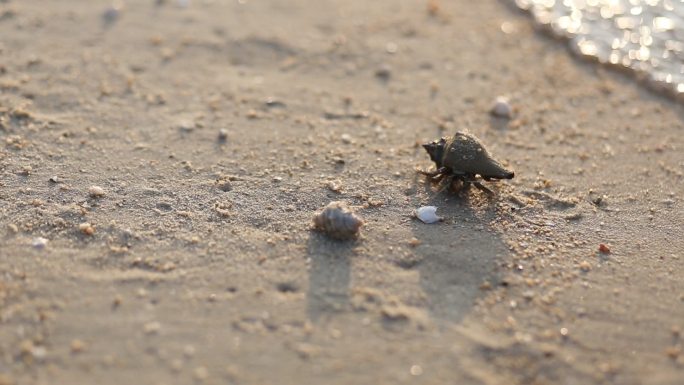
[198, 263]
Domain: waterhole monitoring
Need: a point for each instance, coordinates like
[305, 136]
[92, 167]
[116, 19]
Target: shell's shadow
[498, 124]
[329, 275]
[459, 254]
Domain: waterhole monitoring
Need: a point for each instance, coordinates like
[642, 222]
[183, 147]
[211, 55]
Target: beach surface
[160, 166]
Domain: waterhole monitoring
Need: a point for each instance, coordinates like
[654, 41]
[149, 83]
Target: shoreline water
[640, 39]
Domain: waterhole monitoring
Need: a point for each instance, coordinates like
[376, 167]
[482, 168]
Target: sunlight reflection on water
[645, 36]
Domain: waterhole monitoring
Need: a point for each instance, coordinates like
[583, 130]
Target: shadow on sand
[455, 257]
[329, 275]
[459, 254]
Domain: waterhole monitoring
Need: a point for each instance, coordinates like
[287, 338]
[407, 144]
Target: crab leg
[443, 186]
[438, 178]
[455, 186]
[469, 178]
[483, 188]
[435, 173]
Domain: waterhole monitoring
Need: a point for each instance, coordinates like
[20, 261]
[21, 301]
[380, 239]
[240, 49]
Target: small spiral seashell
[338, 221]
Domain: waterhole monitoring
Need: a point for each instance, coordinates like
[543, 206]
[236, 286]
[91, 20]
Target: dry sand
[169, 279]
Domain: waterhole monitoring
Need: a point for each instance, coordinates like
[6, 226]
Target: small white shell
[223, 135]
[428, 214]
[39, 242]
[502, 108]
[337, 221]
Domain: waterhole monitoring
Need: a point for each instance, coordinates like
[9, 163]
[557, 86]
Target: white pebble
[346, 138]
[186, 126]
[152, 328]
[112, 13]
[39, 243]
[502, 108]
[223, 135]
[96, 192]
[428, 214]
[39, 352]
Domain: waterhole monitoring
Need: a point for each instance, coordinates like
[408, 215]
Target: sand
[161, 166]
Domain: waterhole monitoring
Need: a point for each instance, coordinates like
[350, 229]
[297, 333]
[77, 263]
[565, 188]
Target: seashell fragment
[428, 214]
[338, 221]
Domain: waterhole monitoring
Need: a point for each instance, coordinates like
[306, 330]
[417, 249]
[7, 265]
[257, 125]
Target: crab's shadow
[329, 275]
[459, 254]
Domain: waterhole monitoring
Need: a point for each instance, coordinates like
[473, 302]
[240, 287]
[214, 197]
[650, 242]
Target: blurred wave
[645, 37]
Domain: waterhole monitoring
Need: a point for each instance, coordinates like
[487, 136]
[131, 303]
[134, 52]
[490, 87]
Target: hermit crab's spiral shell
[464, 153]
[337, 221]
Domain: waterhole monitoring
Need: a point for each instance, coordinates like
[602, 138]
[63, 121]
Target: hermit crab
[462, 158]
